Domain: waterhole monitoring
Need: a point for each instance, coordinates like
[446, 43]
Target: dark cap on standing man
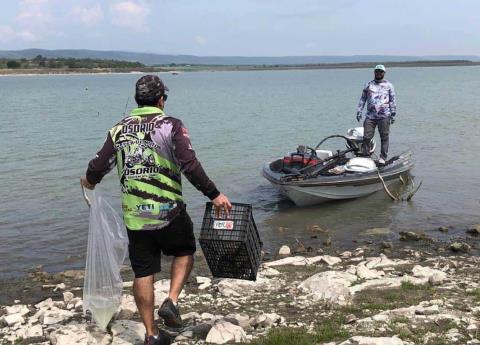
[149, 89]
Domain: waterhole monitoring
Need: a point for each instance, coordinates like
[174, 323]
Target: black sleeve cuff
[213, 194]
[92, 178]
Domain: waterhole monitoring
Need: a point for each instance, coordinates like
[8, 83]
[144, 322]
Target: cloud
[33, 13]
[130, 14]
[87, 15]
[200, 40]
[8, 34]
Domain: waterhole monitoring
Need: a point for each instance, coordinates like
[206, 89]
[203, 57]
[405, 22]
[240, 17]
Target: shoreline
[373, 240]
[377, 240]
[323, 296]
[231, 68]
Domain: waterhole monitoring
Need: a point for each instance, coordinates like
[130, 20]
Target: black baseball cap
[149, 88]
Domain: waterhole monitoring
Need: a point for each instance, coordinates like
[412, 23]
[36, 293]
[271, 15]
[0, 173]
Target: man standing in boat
[379, 95]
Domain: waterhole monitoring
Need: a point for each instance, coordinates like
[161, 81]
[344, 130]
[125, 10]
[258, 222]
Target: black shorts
[145, 247]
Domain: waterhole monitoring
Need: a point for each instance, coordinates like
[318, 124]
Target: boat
[311, 176]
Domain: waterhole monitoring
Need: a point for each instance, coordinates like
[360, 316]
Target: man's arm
[189, 164]
[101, 165]
[193, 170]
[363, 99]
[393, 100]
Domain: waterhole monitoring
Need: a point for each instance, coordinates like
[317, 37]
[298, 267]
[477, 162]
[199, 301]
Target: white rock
[292, 260]
[266, 320]
[54, 316]
[13, 319]
[233, 303]
[68, 296]
[383, 261]
[346, 255]
[181, 338]
[358, 252]
[60, 286]
[78, 334]
[48, 303]
[223, 332]
[387, 283]
[127, 304]
[434, 309]
[243, 320]
[127, 284]
[17, 309]
[269, 272]
[79, 306]
[435, 277]
[191, 316]
[207, 316]
[284, 250]
[363, 272]
[126, 332]
[472, 328]
[29, 331]
[204, 282]
[329, 260]
[59, 304]
[161, 290]
[359, 340]
[330, 286]
[237, 287]
[380, 318]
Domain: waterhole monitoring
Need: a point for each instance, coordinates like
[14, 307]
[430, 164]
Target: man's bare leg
[181, 268]
[144, 298]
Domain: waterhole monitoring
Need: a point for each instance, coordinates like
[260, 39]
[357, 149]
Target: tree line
[40, 62]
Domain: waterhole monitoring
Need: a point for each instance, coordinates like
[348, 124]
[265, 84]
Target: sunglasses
[165, 96]
[379, 71]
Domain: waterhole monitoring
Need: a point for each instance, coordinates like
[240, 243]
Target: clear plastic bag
[106, 252]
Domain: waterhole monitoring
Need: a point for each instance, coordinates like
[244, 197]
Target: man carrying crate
[151, 150]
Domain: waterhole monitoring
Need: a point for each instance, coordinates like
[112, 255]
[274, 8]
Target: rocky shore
[394, 297]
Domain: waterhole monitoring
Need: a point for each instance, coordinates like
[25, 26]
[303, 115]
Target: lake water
[53, 125]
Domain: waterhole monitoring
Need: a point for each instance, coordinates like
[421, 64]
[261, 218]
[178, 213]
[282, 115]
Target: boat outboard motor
[356, 136]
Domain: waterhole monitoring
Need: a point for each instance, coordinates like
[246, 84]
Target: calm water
[53, 125]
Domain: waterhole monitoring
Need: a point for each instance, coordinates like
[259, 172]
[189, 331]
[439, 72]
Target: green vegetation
[475, 294]
[329, 329]
[40, 62]
[370, 302]
[417, 334]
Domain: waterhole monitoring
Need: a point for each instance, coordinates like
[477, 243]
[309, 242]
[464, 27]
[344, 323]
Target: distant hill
[161, 59]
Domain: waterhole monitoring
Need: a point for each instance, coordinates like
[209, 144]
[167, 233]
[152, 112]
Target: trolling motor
[355, 136]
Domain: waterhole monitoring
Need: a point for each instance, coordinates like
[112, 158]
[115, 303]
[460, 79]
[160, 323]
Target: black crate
[232, 248]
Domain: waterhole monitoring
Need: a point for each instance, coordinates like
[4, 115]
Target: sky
[245, 27]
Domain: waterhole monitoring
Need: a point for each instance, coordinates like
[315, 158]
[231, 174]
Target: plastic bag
[106, 252]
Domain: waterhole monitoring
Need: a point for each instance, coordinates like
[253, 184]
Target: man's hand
[392, 118]
[222, 203]
[86, 184]
[359, 116]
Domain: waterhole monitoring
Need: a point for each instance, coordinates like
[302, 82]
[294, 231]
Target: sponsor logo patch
[223, 224]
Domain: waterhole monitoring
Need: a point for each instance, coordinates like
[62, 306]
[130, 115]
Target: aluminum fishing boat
[310, 176]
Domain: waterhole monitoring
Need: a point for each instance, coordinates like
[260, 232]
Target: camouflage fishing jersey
[380, 99]
[151, 150]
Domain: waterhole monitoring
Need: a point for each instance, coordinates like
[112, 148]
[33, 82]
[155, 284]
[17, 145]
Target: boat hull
[347, 186]
[312, 195]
